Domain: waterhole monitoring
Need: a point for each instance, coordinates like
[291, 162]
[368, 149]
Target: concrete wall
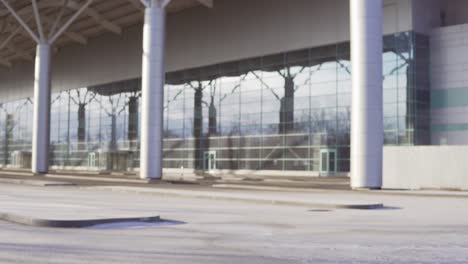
[457, 11]
[449, 81]
[426, 167]
[426, 15]
[233, 30]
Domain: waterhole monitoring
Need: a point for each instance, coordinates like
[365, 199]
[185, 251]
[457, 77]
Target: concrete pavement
[312, 198]
[411, 229]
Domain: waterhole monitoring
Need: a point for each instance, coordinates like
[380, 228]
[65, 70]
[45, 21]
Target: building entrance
[327, 162]
[209, 160]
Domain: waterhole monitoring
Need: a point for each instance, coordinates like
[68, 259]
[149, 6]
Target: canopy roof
[98, 17]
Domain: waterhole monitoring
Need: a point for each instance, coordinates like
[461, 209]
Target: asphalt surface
[410, 229]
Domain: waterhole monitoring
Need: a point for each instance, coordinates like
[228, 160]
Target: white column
[41, 125]
[152, 92]
[366, 113]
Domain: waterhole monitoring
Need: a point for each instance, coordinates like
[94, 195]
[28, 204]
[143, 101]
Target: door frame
[92, 160]
[207, 158]
[328, 172]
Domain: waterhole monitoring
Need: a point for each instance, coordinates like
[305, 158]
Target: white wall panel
[408, 167]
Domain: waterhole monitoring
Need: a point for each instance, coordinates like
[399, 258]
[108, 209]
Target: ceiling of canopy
[99, 17]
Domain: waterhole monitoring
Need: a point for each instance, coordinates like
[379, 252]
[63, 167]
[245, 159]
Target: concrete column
[152, 102]
[366, 110]
[41, 120]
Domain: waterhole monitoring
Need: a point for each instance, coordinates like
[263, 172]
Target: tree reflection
[133, 117]
[115, 98]
[10, 124]
[198, 87]
[82, 97]
[113, 108]
[408, 62]
[168, 132]
[286, 111]
[212, 113]
[225, 96]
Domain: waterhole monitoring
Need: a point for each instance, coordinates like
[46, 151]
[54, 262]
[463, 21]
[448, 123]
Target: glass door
[209, 160]
[92, 160]
[327, 162]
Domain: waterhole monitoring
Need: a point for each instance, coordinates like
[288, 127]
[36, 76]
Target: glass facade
[276, 112]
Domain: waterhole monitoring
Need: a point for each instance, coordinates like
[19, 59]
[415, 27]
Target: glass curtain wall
[274, 112]
[96, 127]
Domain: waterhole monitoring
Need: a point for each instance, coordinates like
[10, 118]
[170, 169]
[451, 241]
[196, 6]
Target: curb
[72, 177]
[36, 182]
[115, 181]
[37, 222]
[224, 197]
[268, 188]
[96, 178]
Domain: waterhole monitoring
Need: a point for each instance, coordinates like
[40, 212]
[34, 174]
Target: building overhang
[99, 17]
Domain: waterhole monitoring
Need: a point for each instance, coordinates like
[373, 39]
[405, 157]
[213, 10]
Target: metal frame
[207, 158]
[153, 64]
[66, 22]
[40, 37]
[328, 172]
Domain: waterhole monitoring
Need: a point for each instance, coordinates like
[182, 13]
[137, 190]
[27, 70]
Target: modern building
[301, 87]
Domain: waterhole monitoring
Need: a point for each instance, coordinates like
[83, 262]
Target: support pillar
[42, 80]
[152, 92]
[41, 124]
[367, 110]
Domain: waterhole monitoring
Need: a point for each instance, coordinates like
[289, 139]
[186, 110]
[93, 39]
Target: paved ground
[413, 230]
[86, 178]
